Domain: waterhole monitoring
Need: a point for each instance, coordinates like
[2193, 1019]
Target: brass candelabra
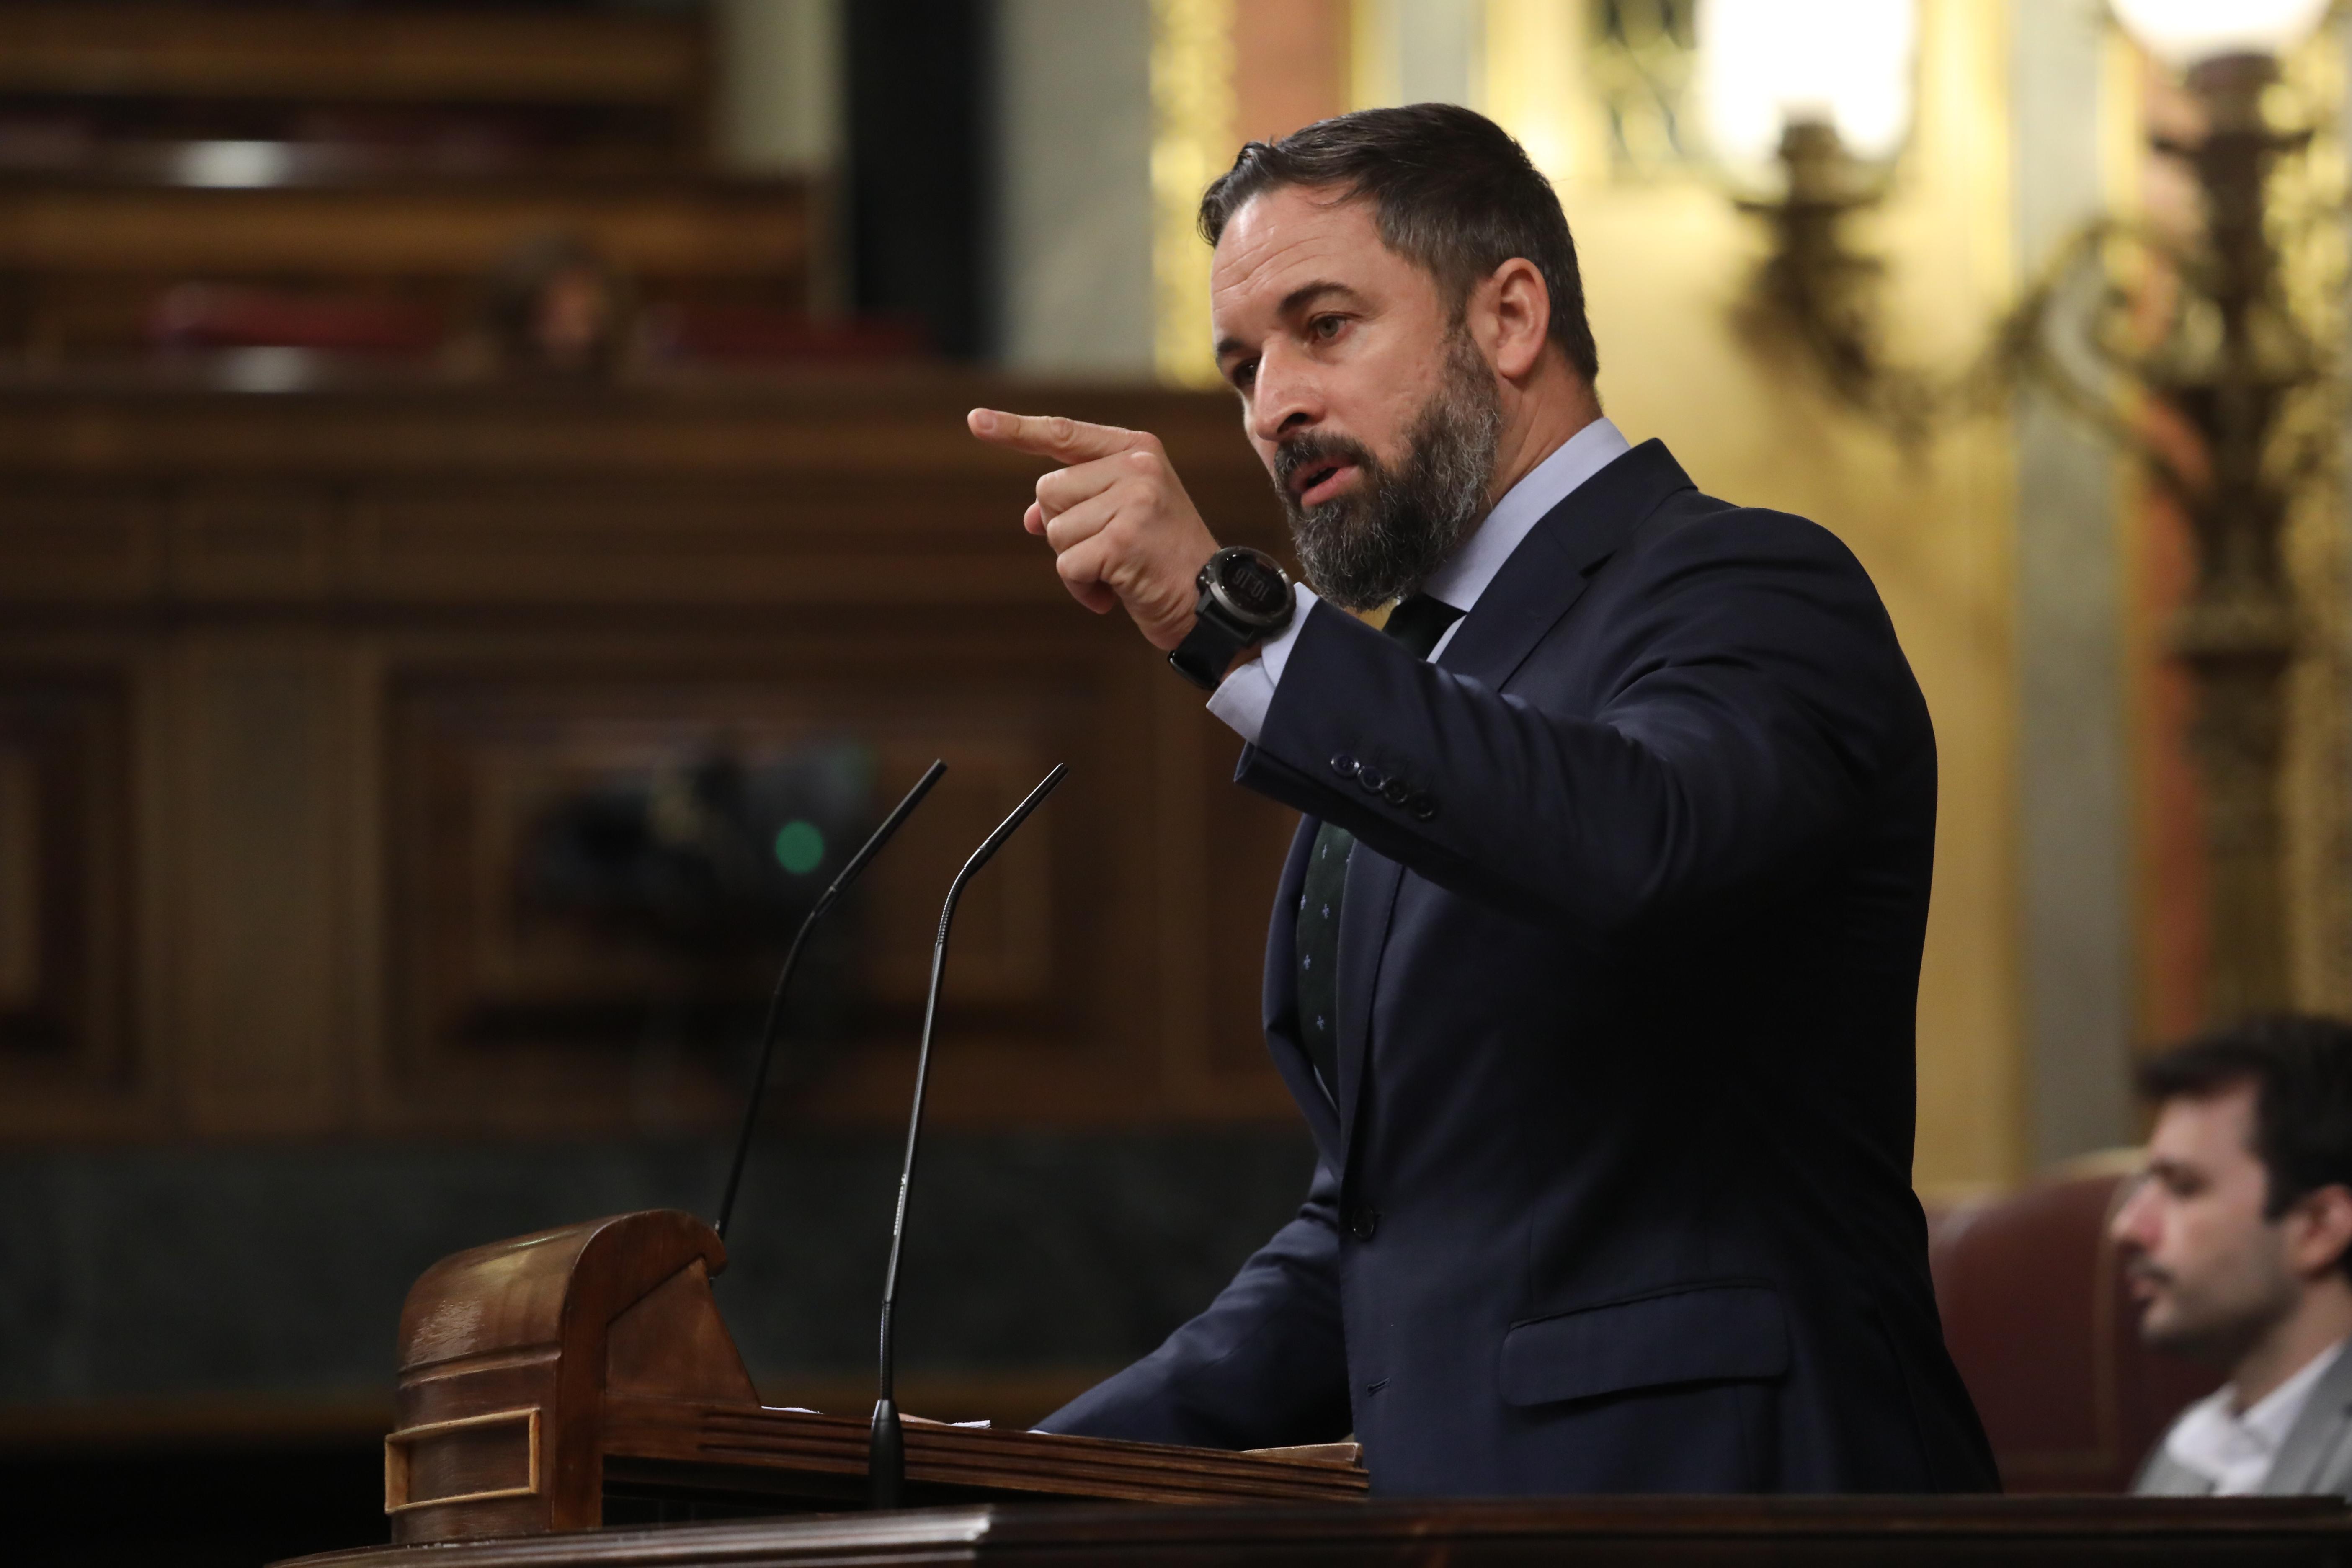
[2223, 366]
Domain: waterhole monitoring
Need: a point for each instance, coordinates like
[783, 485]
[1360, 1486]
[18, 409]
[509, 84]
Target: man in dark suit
[1595, 961]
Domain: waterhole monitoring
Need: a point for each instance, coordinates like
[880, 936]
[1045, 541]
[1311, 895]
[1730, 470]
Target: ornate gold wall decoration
[2307, 202]
[1193, 119]
[1640, 60]
[1538, 86]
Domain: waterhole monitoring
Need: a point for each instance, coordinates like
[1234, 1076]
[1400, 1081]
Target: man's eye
[1325, 327]
[1245, 372]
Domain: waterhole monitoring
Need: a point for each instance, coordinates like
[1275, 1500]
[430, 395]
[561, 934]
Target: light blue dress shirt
[1243, 697]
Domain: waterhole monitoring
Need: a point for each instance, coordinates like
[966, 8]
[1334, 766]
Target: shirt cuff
[1242, 698]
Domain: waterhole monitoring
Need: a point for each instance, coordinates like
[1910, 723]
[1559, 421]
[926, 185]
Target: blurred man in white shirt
[2235, 1239]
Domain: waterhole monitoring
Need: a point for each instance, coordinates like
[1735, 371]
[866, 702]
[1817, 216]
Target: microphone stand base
[886, 1458]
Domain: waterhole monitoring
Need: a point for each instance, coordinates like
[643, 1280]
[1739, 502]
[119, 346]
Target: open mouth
[1319, 482]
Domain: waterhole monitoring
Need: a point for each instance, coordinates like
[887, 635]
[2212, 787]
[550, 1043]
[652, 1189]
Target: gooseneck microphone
[849, 873]
[886, 1458]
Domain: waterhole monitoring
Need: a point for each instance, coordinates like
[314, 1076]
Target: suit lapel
[1547, 573]
[1538, 584]
[1542, 579]
[2317, 1435]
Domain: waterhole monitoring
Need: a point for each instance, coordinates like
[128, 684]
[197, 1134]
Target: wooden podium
[1493, 1532]
[543, 1378]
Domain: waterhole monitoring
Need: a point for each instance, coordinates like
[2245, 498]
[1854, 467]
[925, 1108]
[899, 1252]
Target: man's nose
[1284, 398]
[2133, 1220]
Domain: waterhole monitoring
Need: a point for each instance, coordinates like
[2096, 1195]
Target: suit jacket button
[1421, 807]
[1343, 764]
[1395, 792]
[1363, 1222]
[1371, 777]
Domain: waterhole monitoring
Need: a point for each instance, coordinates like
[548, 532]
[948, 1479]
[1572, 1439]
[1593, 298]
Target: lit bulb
[1763, 64]
[2182, 32]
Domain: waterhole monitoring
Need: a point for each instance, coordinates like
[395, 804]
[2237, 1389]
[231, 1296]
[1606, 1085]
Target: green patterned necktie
[1416, 622]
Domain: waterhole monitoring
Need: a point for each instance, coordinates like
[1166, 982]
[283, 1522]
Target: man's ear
[1517, 311]
[2319, 1229]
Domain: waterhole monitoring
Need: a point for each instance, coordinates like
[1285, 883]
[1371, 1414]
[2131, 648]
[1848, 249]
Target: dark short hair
[1451, 191]
[2301, 1067]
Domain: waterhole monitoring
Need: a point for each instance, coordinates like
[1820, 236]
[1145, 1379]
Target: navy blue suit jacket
[1616, 1196]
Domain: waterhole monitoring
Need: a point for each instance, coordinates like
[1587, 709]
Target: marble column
[2073, 783]
[1074, 127]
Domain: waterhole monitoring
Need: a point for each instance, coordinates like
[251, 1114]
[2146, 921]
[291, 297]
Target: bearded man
[1594, 962]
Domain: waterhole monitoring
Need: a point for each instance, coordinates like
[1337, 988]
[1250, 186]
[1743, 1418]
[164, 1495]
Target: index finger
[1052, 436]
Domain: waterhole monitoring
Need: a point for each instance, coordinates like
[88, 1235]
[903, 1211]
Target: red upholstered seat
[2036, 1316]
[217, 316]
[755, 334]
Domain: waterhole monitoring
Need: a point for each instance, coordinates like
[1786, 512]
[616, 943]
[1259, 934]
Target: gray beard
[1384, 540]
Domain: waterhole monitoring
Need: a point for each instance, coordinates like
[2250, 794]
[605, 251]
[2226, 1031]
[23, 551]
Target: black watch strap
[1208, 648]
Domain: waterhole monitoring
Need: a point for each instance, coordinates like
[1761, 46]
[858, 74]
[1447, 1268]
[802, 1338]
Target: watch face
[1256, 589]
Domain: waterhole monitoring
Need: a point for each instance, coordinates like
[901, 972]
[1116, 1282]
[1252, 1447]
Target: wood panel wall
[282, 54]
[283, 678]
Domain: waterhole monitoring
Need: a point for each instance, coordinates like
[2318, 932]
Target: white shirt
[2235, 1451]
[1243, 697]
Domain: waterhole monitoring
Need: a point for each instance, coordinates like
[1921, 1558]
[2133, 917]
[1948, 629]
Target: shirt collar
[1480, 558]
[2235, 1450]
[2271, 1417]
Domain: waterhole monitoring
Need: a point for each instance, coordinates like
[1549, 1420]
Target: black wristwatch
[1245, 598]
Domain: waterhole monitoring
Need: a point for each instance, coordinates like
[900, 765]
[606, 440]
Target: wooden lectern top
[543, 1377]
[1605, 1532]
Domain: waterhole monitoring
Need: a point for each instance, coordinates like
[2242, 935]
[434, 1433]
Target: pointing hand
[1122, 528]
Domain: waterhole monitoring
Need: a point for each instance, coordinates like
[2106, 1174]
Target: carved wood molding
[69, 967]
[368, 638]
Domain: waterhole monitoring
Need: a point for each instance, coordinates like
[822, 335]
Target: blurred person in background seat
[2238, 1241]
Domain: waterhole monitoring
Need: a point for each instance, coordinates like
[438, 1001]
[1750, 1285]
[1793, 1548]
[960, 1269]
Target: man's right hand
[1123, 530]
